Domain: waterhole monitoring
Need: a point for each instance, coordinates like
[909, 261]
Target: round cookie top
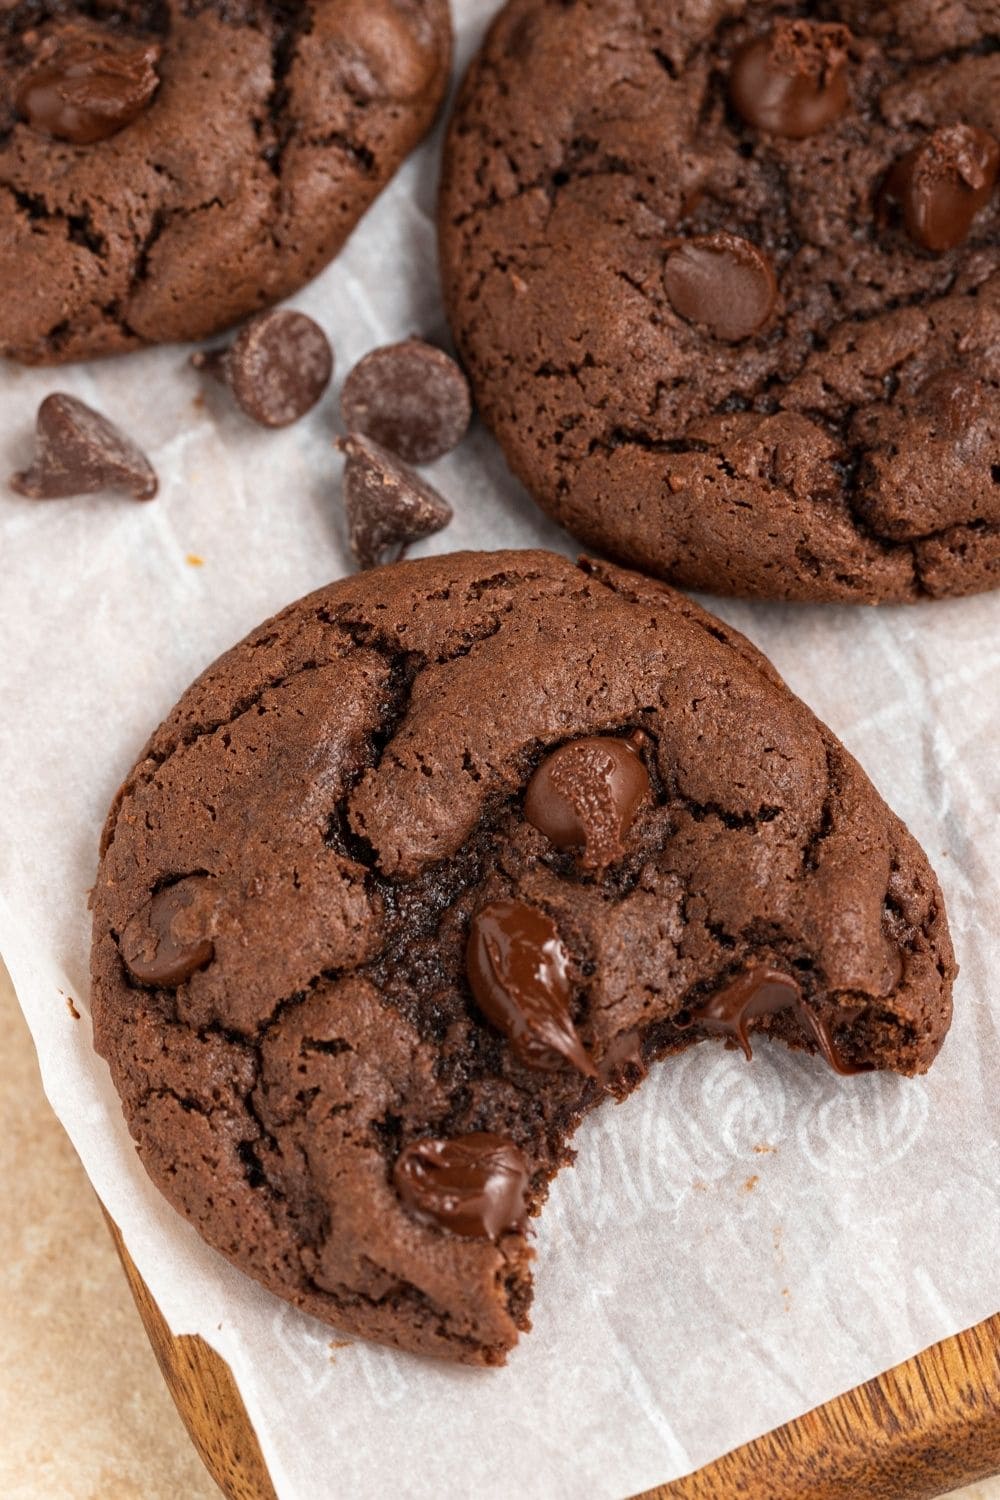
[435, 861]
[168, 168]
[726, 280]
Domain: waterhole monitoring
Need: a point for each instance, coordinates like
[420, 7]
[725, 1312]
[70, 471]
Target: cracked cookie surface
[840, 439]
[308, 877]
[233, 170]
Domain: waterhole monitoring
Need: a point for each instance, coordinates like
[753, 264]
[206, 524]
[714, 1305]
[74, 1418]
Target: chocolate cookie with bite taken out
[440, 859]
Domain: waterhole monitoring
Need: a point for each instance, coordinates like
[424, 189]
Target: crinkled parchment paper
[737, 1242]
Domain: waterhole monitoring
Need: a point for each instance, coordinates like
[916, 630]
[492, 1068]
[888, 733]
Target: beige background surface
[84, 1412]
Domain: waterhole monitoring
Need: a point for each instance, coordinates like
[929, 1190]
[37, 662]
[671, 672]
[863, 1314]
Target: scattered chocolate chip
[277, 367]
[761, 992]
[792, 82]
[519, 973]
[411, 398]
[586, 795]
[940, 186]
[387, 504]
[165, 942]
[473, 1185]
[721, 281]
[85, 85]
[78, 452]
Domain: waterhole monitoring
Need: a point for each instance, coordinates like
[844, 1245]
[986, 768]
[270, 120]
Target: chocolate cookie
[166, 169]
[441, 858]
[726, 279]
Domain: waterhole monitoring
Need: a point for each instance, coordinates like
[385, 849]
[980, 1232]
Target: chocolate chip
[721, 281]
[953, 400]
[78, 452]
[473, 1185]
[586, 795]
[940, 186]
[793, 82]
[387, 504]
[410, 397]
[519, 973]
[761, 992]
[277, 367]
[165, 943]
[85, 85]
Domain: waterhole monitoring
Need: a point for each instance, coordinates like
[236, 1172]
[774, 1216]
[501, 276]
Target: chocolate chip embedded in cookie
[587, 794]
[518, 970]
[700, 260]
[86, 83]
[435, 862]
[941, 185]
[168, 169]
[473, 1185]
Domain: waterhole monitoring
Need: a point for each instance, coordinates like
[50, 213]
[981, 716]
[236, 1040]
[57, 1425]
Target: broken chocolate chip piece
[79, 452]
[473, 1185]
[940, 186]
[792, 82]
[277, 367]
[165, 943]
[411, 398]
[586, 796]
[518, 970]
[386, 503]
[87, 84]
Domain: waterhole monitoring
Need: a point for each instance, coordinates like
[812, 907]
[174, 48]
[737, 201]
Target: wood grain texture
[924, 1427]
[205, 1394]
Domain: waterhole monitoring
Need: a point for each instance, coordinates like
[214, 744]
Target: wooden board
[924, 1427]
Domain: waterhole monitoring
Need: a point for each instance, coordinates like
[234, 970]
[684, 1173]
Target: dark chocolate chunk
[87, 84]
[792, 82]
[410, 397]
[277, 367]
[165, 943]
[721, 281]
[473, 1185]
[518, 969]
[761, 992]
[940, 186]
[387, 504]
[586, 795]
[78, 452]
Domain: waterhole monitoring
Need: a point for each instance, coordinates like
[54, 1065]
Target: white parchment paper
[737, 1243]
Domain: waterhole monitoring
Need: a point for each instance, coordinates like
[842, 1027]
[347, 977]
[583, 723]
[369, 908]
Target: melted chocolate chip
[165, 943]
[793, 82]
[519, 973]
[387, 504]
[473, 1185]
[78, 452]
[277, 368]
[409, 397]
[87, 85]
[940, 186]
[763, 991]
[586, 795]
[721, 281]
[622, 1064]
